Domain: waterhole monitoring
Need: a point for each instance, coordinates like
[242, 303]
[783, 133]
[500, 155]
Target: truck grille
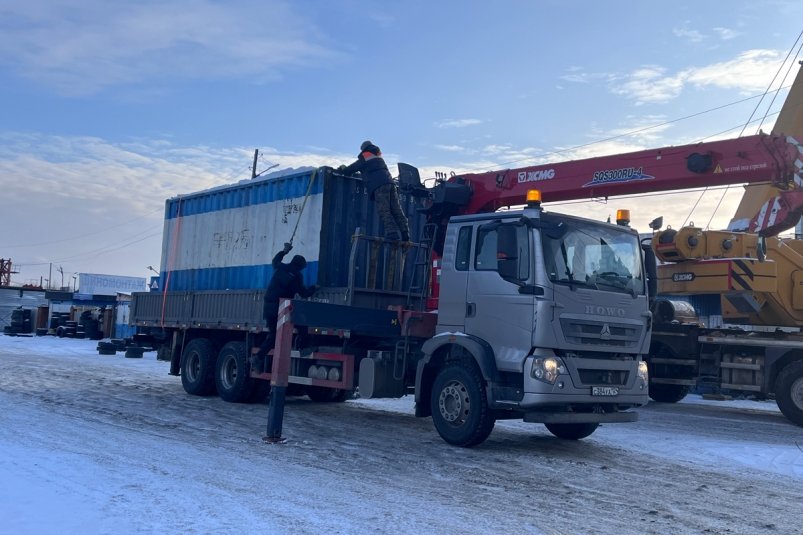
[600, 333]
[603, 377]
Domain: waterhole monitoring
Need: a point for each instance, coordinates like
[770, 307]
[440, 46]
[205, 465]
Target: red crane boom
[762, 158]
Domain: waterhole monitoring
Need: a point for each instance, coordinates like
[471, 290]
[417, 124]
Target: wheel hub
[194, 367]
[796, 393]
[228, 375]
[453, 402]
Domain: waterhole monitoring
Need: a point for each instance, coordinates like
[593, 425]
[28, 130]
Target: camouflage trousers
[393, 219]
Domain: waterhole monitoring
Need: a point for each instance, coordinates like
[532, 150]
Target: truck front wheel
[459, 408]
[789, 392]
[572, 431]
[198, 367]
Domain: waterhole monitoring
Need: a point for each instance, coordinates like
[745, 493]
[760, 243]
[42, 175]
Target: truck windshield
[595, 256]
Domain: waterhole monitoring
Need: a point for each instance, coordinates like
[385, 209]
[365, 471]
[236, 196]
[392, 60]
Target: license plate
[604, 390]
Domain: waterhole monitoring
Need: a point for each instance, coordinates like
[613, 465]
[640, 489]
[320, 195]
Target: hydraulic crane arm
[770, 159]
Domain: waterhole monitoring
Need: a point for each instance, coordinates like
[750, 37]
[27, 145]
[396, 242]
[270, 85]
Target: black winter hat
[370, 147]
[298, 262]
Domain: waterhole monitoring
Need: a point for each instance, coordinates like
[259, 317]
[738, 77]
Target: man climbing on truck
[382, 190]
[286, 282]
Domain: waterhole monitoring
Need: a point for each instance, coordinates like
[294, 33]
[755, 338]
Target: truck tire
[789, 392]
[198, 367]
[668, 393]
[232, 374]
[322, 394]
[134, 352]
[459, 408]
[572, 431]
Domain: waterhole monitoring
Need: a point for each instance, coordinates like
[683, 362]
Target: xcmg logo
[605, 311]
[536, 176]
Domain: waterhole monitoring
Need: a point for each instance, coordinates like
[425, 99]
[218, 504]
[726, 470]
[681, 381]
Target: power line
[82, 236]
[629, 133]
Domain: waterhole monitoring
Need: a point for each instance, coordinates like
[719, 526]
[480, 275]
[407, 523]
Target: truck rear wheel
[572, 431]
[198, 367]
[232, 374]
[789, 392]
[459, 408]
[668, 393]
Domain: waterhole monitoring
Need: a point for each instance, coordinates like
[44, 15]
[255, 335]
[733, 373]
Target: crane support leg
[280, 371]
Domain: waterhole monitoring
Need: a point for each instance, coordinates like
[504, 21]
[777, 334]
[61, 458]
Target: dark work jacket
[373, 169]
[286, 282]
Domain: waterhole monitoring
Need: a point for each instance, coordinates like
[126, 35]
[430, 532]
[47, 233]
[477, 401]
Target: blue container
[225, 238]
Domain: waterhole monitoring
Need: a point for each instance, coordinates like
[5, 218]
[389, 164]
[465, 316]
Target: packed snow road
[105, 444]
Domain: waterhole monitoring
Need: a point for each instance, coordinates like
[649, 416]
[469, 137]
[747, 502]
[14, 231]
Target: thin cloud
[649, 84]
[578, 75]
[82, 48]
[456, 123]
[726, 34]
[451, 148]
[693, 36]
[748, 72]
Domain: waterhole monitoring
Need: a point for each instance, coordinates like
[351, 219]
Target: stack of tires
[111, 347]
[69, 329]
[106, 348]
[59, 319]
[91, 328]
[20, 322]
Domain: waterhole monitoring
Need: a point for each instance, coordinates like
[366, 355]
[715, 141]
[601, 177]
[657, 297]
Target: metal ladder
[419, 280]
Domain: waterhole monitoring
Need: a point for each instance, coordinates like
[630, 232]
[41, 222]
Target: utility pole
[61, 270]
[50, 276]
[254, 168]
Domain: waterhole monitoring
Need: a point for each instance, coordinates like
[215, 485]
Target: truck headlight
[547, 369]
[642, 372]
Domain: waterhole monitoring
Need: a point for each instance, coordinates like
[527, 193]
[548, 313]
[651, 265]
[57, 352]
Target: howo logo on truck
[605, 311]
[536, 176]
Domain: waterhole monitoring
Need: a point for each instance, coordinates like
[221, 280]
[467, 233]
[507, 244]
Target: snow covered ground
[104, 444]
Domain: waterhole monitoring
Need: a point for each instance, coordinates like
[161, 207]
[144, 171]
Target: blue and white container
[225, 238]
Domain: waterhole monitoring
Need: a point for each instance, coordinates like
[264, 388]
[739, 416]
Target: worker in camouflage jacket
[375, 174]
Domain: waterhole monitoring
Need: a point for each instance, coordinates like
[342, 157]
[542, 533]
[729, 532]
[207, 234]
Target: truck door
[496, 311]
[454, 278]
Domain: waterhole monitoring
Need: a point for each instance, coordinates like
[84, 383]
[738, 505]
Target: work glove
[287, 247]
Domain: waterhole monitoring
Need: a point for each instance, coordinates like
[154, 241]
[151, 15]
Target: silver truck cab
[548, 313]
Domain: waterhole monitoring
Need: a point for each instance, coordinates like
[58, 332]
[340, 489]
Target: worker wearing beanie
[285, 283]
[375, 174]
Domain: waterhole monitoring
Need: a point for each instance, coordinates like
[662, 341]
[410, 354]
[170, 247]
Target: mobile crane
[540, 316]
[525, 313]
[758, 277]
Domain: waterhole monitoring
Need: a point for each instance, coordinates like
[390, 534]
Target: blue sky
[108, 108]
